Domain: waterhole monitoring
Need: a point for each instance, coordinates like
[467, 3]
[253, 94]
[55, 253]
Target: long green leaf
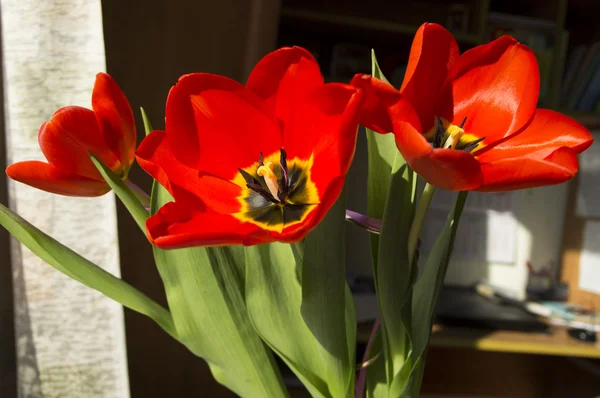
[127, 196]
[427, 288]
[204, 288]
[147, 125]
[76, 267]
[326, 304]
[377, 386]
[395, 273]
[381, 154]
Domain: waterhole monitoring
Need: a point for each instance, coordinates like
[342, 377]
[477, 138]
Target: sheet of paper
[487, 229]
[588, 193]
[589, 260]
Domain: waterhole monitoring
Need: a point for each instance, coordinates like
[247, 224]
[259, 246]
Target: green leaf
[204, 288]
[127, 196]
[377, 386]
[427, 288]
[394, 271]
[147, 124]
[76, 267]
[327, 305]
[381, 154]
[274, 300]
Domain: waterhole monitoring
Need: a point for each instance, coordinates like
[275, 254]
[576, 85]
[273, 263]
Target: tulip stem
[139, 193]
[417, 224]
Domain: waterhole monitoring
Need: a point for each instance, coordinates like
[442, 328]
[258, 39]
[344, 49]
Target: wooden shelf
[367, 23]
[557, 342]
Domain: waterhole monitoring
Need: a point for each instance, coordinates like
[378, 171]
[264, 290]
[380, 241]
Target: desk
[556, 342]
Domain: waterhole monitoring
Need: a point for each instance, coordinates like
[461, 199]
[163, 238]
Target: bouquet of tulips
[247, 214]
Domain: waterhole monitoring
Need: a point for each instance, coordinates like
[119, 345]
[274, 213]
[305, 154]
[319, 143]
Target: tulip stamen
[451, 136]
[274, 189]
[283, 191]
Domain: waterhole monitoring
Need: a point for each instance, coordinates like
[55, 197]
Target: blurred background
[542, 246]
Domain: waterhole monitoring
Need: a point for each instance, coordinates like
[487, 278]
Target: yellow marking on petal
[266, 172]
[309, 195]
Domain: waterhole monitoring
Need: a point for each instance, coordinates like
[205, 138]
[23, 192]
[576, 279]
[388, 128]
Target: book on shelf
[590, 96]
[573, 63]
[584, 76]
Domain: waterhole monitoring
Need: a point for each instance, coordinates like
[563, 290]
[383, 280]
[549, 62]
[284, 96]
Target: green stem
[417, 224]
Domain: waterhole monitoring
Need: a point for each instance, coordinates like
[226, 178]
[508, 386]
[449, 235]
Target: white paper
[588, 193]
[589, 260]
[501, 242]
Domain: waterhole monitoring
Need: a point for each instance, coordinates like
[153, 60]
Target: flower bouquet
[247, 214]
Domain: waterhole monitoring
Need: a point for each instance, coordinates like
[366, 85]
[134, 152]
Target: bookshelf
[553, 28]
[367, 23]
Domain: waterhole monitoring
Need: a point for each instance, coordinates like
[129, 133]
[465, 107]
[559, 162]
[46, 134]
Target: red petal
[433, 51]
[519, 173]
[115, 119]
[547, 132]
[379, 96]
[448, 169]
[494, 86]
[214, 124]
[173, 227]
[282, 77]
[48, 178]
[324, 126]
[186, 185]
[68, 138]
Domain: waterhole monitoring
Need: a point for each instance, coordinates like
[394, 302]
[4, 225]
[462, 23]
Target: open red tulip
[251, 164]
[73, 132]
[472, 122]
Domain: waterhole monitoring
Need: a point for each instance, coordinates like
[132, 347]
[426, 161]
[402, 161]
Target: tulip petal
[520, 173]
[495, 87]
[283, 77]
[216, 125]
[68, 138]
[449, 169]
[187, 186]
[379, 96]
[433, 51]
[115, 118]
[547, 132]
[174, 226]
[324, 126]
[49, 178]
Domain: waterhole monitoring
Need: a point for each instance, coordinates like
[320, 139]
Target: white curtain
[70, 339]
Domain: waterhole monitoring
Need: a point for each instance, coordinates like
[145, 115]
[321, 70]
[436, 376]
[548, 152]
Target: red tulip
[107, 132]
[251, 164]
[470, 122]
